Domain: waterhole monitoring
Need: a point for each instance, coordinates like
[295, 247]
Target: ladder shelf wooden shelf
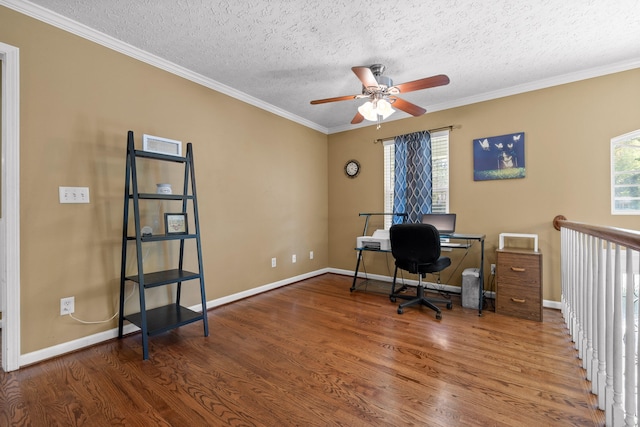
[164, 318]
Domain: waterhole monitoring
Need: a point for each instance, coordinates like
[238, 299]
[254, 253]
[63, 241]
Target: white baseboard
[260, 289]
[552, 304]
[448, 288]
[67, 347]
[428, 285]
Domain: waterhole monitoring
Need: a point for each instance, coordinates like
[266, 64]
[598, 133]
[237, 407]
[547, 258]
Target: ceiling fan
[381, 94]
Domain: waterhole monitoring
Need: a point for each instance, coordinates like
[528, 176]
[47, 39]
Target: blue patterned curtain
[413, 184]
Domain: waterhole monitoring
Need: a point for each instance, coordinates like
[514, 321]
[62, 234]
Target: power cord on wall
[96, 322]
[492, 288]
[87, 322]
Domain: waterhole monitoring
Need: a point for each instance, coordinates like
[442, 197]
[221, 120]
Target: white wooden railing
[600, 271]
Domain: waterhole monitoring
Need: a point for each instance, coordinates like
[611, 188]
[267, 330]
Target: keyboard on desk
[446, 244]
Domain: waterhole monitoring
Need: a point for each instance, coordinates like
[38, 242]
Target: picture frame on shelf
[175, 223]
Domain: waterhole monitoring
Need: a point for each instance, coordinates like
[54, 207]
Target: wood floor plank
[315, 354]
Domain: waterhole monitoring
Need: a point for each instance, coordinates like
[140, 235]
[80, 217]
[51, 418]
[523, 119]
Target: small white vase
[163, 189]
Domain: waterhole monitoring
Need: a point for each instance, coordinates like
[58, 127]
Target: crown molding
[541, 84]
[64, 23]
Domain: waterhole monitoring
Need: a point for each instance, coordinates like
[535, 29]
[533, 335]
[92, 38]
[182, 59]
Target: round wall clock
[352, 168]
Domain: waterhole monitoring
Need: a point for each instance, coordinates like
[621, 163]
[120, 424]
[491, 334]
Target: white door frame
[10, 218]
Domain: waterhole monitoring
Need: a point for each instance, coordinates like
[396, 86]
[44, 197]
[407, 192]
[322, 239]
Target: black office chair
[416, 249]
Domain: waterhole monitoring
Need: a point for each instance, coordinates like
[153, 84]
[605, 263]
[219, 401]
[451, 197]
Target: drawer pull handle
[518, 300]
[518, 269]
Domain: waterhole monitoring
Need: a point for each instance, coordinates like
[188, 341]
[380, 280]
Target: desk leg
[481, 287]
[355, 275]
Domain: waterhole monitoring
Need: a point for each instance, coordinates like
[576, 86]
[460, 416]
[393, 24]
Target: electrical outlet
[310, 254]
[67, 305]
[273, 262]
[293, 258]
[493, 269]
[73, 194]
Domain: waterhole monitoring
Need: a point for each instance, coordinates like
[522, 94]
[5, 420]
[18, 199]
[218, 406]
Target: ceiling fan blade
[408, 107]
[358, 118]
[366, 76]
[439, 80]
[337, 98]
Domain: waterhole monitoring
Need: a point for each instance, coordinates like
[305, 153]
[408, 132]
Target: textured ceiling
[286, 53]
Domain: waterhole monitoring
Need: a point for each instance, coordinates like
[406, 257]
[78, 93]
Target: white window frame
[440, 159]
[618, 142]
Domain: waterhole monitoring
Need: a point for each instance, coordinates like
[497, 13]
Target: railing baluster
[601, 325]
[600, 305]
[568, 269]
[617, 410]
[593, 324]
[574, 292]
[610, 338]
[629, 345]
[589, 314]
[582, 310]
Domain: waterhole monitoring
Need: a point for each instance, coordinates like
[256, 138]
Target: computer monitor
[444, 222]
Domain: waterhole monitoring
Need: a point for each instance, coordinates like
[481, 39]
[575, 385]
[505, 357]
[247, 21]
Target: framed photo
[156, 144]
[499, 157]
[175, 223]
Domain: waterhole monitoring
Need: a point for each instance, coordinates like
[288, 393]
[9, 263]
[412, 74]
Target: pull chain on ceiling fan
[381, 94]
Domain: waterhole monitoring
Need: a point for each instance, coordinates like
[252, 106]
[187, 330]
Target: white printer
[378, 241]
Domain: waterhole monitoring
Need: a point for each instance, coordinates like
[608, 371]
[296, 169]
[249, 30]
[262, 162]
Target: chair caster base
[400, 311]
[438, 316]
[393, 299]
[449, 305]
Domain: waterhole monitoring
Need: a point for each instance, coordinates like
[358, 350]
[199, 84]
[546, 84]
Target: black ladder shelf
[173, 315]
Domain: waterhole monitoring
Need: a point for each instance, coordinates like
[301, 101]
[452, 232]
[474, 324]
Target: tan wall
[262, 179]
[567, 130]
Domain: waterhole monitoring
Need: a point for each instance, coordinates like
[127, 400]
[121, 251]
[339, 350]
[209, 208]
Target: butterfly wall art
[499, 157]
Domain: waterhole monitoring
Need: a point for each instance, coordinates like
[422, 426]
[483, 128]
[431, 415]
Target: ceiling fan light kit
[381, 94]
[370, 110]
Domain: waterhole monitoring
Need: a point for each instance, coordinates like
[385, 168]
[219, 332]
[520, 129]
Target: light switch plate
[74, 194]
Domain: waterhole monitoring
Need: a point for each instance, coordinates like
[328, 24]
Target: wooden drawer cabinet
[519, 283]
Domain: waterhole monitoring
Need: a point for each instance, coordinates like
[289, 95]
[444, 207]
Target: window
[440, 174]
[625, 174]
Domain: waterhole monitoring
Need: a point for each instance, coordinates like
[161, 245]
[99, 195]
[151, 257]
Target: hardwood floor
[314, 354]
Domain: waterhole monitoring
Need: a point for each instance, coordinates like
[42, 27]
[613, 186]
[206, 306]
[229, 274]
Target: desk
[460, 241]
